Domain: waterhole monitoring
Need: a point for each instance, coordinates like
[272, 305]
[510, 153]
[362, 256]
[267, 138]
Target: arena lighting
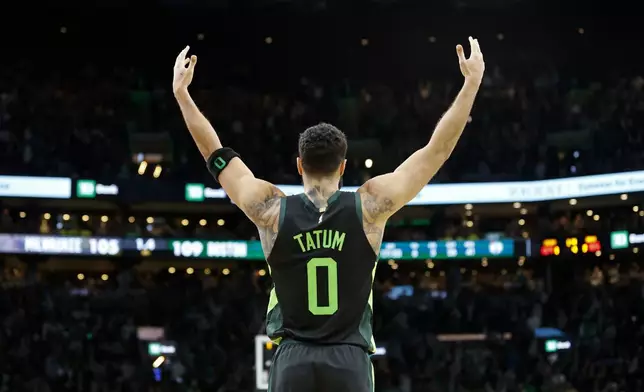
[572, 202]
[23, 214]
[221, 222]
[80, 276]
[157, 171]
[104, 218]
[85, 218]
[623, 196]
[268, 40]
[105, 277]
[142, 167]
[468, 206]
[158, 362]
[190, 271]
[516, 205]
[225, 271]
[203, 222]
[131, 219]
[65, 217]
[185, 222]
[47, 216]
[150, 220]
[368, 163]
[172, 270]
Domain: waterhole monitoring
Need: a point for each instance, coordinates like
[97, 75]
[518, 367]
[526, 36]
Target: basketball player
[322, 245]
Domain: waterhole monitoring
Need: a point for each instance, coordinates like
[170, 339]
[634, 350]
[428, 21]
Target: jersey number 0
[312, 279]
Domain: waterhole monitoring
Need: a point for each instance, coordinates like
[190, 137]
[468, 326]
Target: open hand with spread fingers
[474, 66]
[184, 69]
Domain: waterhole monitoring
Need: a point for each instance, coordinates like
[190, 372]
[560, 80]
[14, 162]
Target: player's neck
[319, 190]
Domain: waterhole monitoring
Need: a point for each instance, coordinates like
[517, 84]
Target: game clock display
[573, 245]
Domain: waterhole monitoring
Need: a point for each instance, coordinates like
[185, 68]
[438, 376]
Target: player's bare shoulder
[376, 209]
[264, 211]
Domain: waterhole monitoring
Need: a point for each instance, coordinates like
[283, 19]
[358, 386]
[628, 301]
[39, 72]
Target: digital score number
[590, 244]
[550, 247]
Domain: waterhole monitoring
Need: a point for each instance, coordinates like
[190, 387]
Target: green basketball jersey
[323, 268]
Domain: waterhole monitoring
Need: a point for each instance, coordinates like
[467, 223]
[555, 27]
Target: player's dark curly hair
[322, 148]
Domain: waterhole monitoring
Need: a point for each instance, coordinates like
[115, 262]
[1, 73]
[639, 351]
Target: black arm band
[219, 159]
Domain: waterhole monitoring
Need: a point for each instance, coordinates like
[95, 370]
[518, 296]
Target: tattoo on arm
[265, 214]
[374, 209]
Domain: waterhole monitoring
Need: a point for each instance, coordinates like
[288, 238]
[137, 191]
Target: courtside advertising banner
[37, 187]
[624, 239]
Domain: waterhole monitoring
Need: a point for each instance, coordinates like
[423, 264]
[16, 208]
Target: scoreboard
[247, 250]
[585, 244]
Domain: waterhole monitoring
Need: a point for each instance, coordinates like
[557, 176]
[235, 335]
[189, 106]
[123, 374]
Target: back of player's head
[322, 149]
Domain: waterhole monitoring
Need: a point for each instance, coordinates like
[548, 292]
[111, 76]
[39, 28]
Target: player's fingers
[193, 62]
[478, 47]
[472, 45]
[460, 53]
[185, 62]
[181, 56]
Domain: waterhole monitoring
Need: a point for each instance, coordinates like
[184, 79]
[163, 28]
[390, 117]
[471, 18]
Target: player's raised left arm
[382, 196]
[258, 199]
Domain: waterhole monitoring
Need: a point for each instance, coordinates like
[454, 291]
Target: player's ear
[300, 169]
[343, 166]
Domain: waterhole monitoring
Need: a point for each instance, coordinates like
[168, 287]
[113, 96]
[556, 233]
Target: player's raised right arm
[382, 196]
[257, 198]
